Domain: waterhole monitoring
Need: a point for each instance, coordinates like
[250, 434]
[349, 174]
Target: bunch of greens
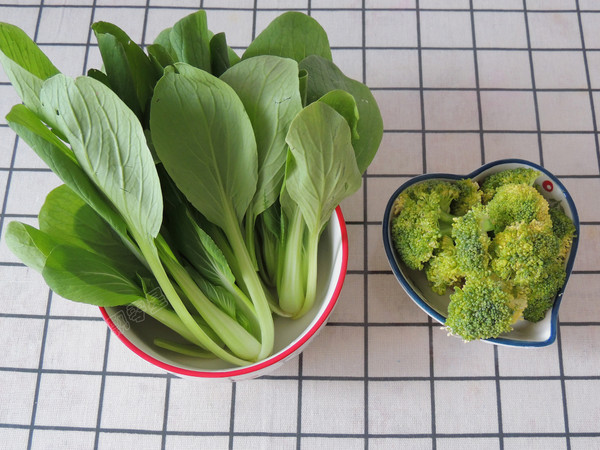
[500, 248]
[196, 183]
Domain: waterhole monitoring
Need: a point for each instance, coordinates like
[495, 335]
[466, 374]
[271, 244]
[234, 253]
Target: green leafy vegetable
[160, 57]
[66, 218]
[269, 90]
[82, 276]
[321, 171]
[322, 156]
[268, 87]
[291, 35]
[233, 334]
[190, 41]
[219, 54]
[104, 134]
[205, 140]
[25, 64]
[109, 145]
[129, 70]
[344, 103]
[62, 162]
[29, 244]
[197, 184]
[323, 77]
[164, 40]
[210, 263]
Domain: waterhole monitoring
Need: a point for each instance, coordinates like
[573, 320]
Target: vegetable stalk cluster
[196, 183]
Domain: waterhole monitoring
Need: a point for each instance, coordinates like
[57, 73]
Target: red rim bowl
[291, 336]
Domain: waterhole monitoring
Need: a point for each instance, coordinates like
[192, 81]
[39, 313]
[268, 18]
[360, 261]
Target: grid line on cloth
[365, 236]
[202, 5]
[298, 443]
[310, 385]
[589, 83]
[49, 297]
[424, 162]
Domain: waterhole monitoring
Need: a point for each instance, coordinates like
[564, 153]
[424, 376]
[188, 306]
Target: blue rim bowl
[524, 334]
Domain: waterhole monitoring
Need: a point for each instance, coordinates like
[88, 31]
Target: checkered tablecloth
[459, 83]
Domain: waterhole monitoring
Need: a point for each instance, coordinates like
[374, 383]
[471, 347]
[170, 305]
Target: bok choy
[197, 183]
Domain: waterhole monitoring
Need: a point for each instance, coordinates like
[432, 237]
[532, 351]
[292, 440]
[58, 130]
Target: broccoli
[529, 256]
[540, 294]
[523, 252]
[470, 234]
[563, 229]
[515, 203]
[519, 175]
[469, 196]
[442, 270]
[500, 248]
[422, 216]
[483, 308]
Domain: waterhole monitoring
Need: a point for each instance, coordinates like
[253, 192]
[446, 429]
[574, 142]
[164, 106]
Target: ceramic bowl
[524, 334]
[291, 336]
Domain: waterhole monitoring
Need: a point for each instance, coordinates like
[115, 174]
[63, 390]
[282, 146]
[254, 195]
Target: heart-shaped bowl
[137, 332]
[416, 285]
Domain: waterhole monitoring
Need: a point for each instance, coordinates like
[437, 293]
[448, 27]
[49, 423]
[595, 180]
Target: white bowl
[524, 334]
[291, 336]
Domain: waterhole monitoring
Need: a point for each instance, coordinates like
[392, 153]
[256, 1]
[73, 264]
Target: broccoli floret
[520, 175]
[529, 256]
[537, 308]
[563, 229]
[472, 242]
[422, 216]
[517, 203]
[442, 270]
[483, 308]
[469, 196]
[541, 294]
[523, 252]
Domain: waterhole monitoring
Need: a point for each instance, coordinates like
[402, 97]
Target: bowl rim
[275, 358]
[390, 253]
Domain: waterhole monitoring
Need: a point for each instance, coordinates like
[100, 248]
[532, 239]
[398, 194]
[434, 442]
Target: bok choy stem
[311, 260]
[249, 227]
[150, 252]
[183, 349]
[252, 282]
[291, 286]
[168, 318]
[239, 341]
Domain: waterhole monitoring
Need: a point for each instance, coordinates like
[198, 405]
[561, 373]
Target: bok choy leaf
[204, 138]
[321, 171]
[25, 64]
[268, 87]
[109, 144]
[291, 35]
